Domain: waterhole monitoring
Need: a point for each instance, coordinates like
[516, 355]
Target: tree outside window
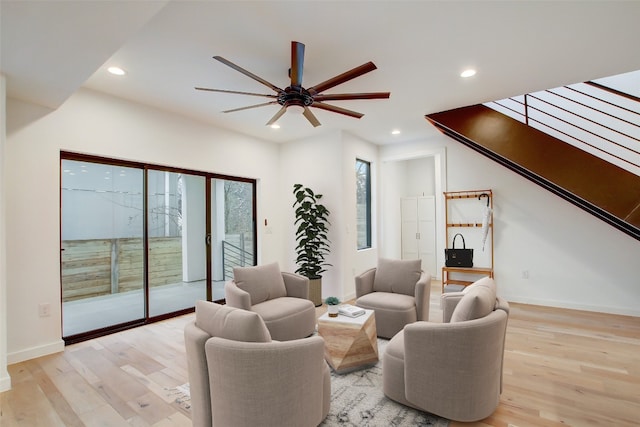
[363, 203]
[238, 213]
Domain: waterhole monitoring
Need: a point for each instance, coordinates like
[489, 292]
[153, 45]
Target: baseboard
[33, 352]
[623, 311]
[5, 383]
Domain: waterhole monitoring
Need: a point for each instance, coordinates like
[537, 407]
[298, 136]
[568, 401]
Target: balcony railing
[234, 256]
[589, 116]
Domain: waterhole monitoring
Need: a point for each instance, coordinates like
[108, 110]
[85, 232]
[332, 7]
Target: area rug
[357, 400]
[181, 396]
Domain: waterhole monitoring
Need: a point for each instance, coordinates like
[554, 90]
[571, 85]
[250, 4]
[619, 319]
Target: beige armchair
[451, 369]
[281, 299]
[398, 291]
[239, 377]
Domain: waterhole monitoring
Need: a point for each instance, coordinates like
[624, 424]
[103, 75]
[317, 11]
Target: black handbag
[458, 257]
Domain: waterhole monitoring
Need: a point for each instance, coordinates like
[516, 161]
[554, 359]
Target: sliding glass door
[141, 243]
[102, 245]
[176, 231]
[233, 229]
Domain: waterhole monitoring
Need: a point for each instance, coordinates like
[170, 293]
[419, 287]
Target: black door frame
[209, 176]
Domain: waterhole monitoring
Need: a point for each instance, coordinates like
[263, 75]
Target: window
[141, 242]
[363, 203]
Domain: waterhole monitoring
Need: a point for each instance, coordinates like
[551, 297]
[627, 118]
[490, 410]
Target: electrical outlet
[525, 274]
[44, 309]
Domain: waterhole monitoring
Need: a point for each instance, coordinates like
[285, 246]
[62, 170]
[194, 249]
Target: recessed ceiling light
[468, 73]
[116, 71]
[395, 132]
[275, 126]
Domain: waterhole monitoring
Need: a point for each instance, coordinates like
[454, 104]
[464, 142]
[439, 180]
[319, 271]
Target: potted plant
[332, 306]
[312, 221]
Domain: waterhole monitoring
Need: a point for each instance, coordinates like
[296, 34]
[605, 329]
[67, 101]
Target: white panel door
[427, 233]
[419, 230]
[409, 218]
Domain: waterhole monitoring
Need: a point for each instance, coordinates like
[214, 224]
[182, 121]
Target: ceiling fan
[296, 95]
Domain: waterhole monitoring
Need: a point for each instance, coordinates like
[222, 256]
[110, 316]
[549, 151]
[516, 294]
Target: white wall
[100, 125]
[573, 259]
[326, 164]
[315, 163]
[421, 177]
[393, 177]
[5, 380]
[356, 261]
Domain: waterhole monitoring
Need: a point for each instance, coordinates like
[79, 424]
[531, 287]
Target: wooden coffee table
[350, 343]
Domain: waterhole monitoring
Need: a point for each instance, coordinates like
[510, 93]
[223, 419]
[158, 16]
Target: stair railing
[589, 116]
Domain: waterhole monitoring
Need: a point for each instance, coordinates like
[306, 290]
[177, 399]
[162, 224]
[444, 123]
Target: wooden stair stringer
[605, 190]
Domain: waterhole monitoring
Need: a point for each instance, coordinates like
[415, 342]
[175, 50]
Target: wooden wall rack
[449, 198]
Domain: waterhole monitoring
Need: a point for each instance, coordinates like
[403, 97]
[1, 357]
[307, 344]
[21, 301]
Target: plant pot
[332, 310]
[315, 291]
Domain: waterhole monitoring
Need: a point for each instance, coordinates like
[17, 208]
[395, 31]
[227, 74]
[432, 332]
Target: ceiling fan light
[295, 98]
[275, 126]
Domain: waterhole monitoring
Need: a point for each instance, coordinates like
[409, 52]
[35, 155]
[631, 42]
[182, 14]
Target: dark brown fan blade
[236, 92]
[344, 77]
[347, 96]
[250, 106]
[277, 116]
[335, 109]
[297, 62]
[309, 116]
[247, 73]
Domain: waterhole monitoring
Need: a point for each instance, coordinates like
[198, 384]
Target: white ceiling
[49, 49]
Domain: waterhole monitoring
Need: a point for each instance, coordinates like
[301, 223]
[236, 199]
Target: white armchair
[239, 377]
[281, 299]
[398, 291]
[451, 369]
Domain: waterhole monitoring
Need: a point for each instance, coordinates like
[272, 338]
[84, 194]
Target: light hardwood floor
[562, 367]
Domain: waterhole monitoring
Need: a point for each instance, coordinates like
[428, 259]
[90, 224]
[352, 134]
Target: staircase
[581, 142]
